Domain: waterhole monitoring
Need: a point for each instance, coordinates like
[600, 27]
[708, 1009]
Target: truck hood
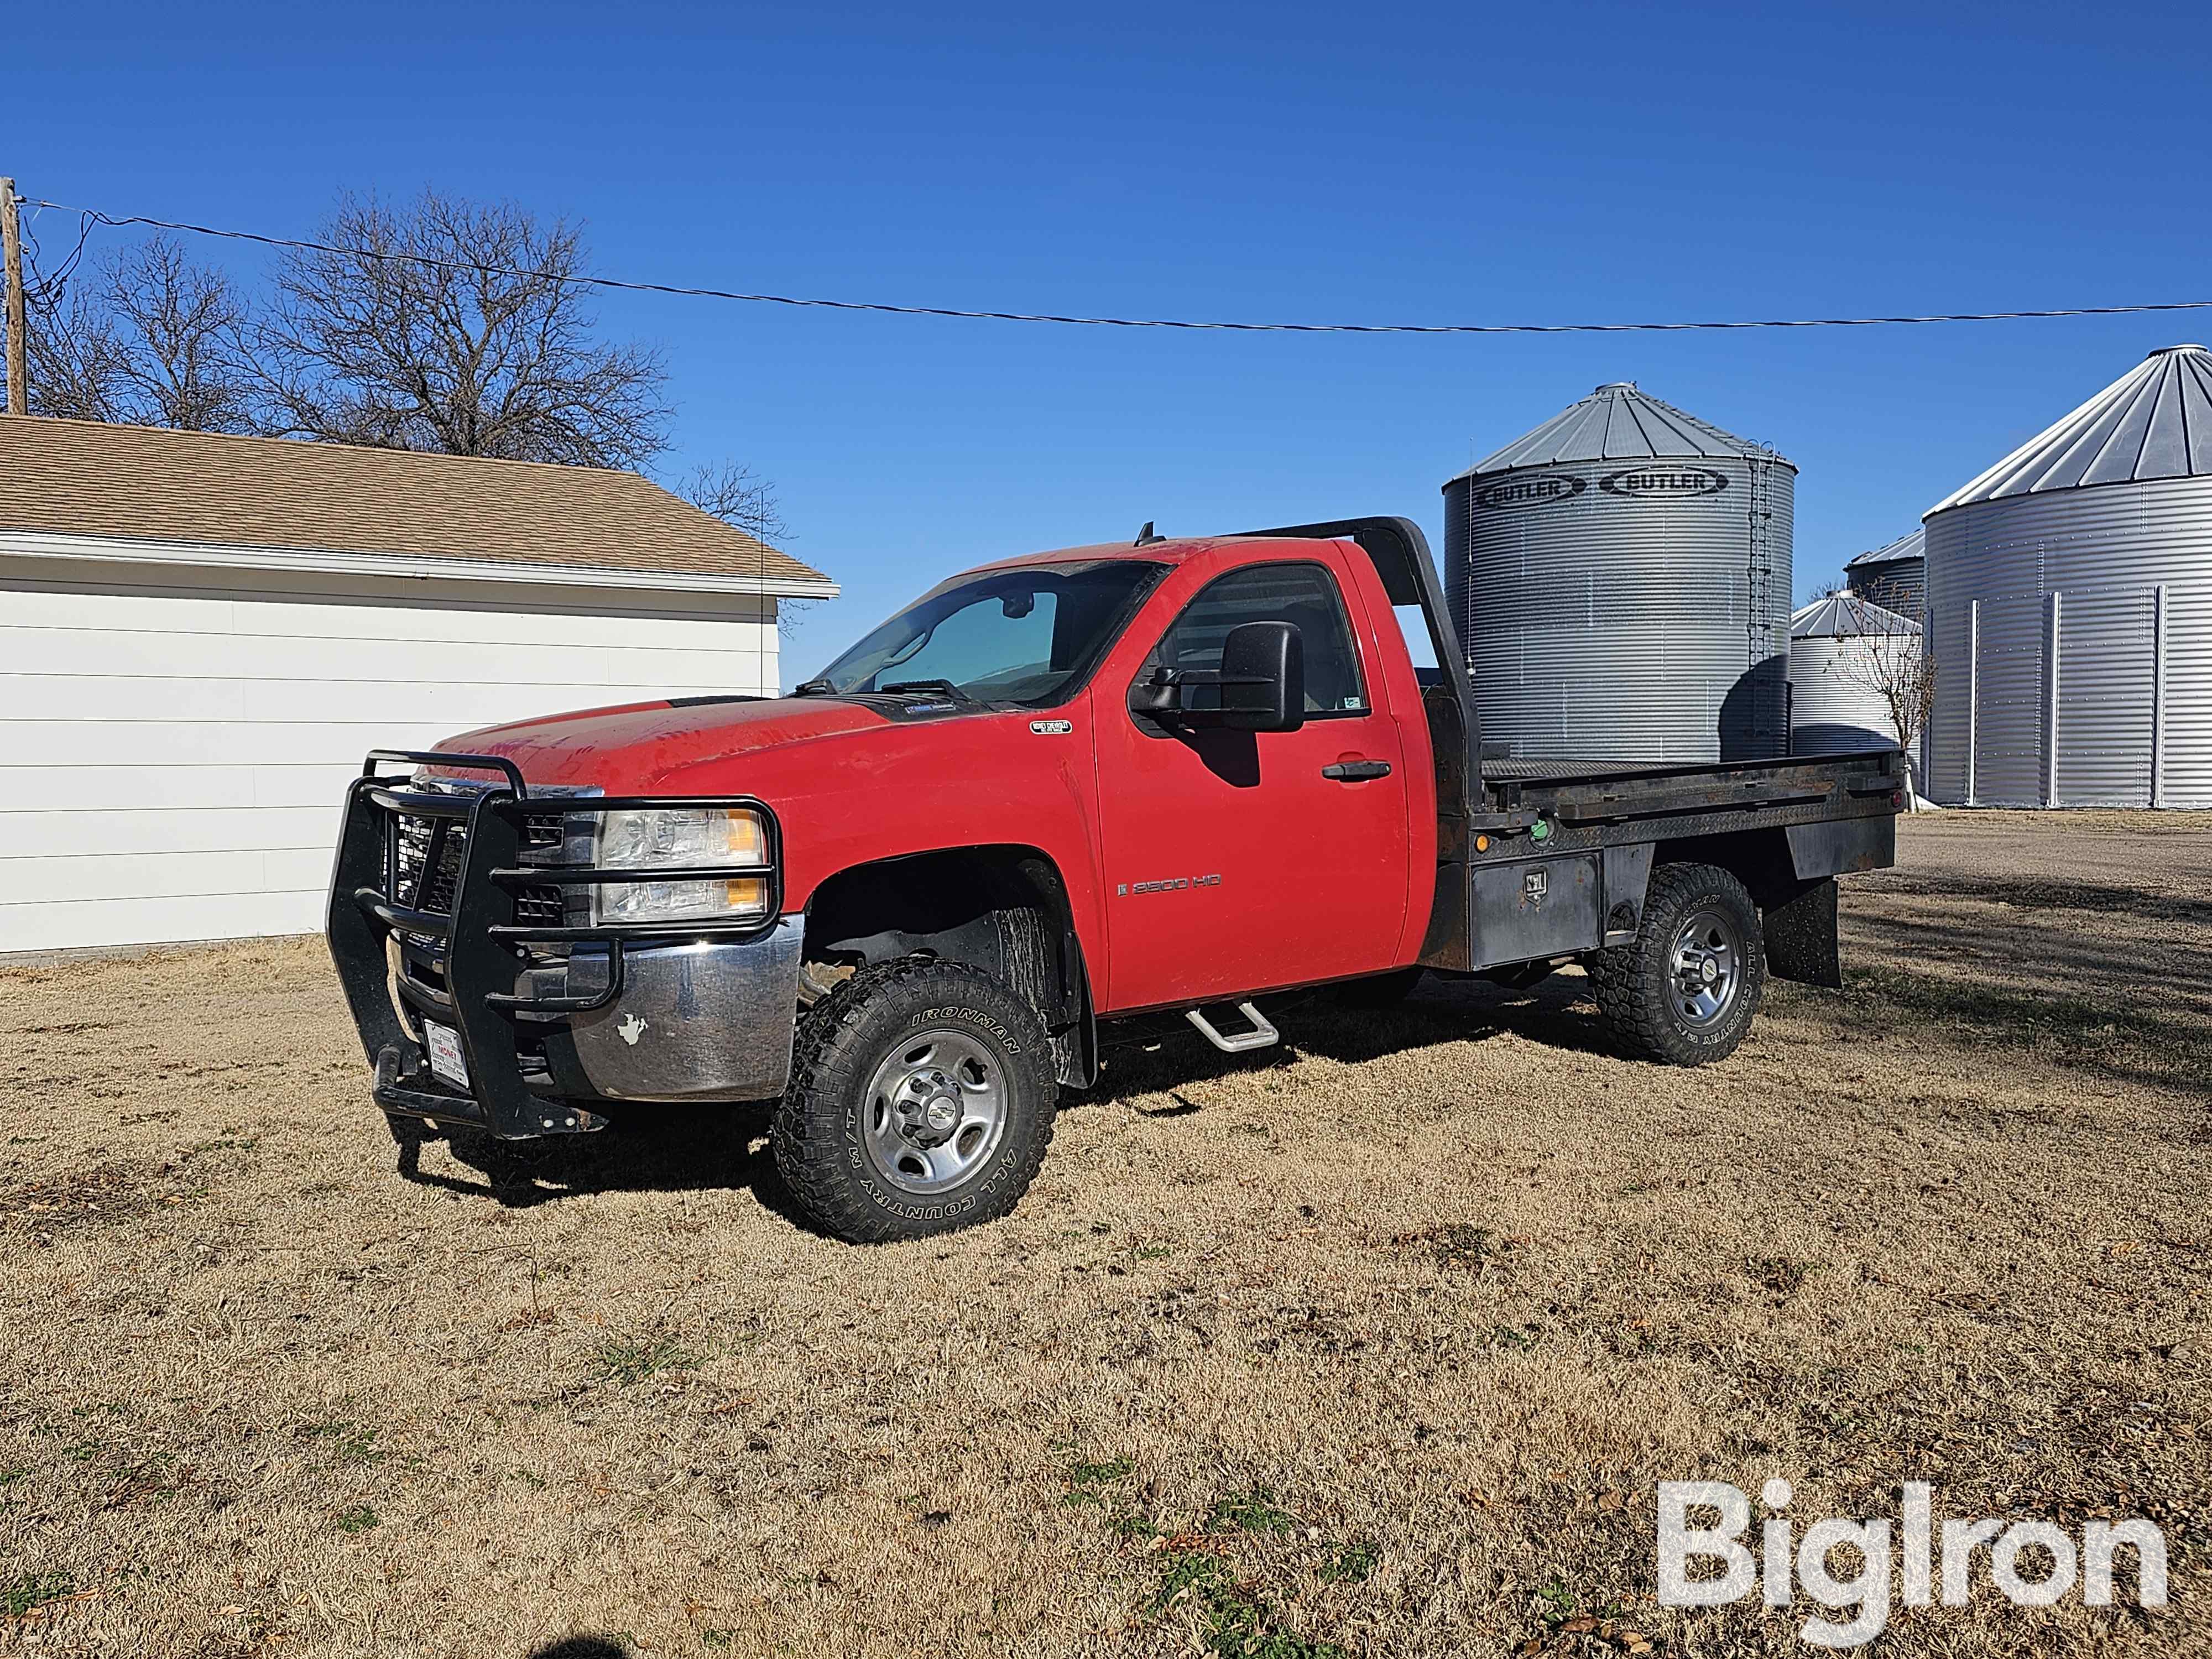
[630, 750]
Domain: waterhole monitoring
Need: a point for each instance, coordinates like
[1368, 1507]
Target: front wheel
[922, 1100]
[1686, 991]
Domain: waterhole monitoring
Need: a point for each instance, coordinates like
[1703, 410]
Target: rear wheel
[922, 1100]
[1686, 990]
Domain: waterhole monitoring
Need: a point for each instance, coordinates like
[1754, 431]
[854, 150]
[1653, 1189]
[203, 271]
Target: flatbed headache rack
[490, 956]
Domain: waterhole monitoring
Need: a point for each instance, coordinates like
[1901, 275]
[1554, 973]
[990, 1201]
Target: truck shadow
[1556, 1012]
[723, 1148]
[690, 1149]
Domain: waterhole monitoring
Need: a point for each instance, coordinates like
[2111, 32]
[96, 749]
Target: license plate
[446, 1058]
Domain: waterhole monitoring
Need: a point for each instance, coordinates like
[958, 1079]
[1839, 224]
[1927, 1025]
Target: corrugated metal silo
[1895, 577]
[1842, 650]
[1621, 577]
[2069, 606]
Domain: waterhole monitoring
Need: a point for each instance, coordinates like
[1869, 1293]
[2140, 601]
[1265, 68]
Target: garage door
[171, 758]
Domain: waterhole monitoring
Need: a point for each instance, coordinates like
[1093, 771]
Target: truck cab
[1173, 777]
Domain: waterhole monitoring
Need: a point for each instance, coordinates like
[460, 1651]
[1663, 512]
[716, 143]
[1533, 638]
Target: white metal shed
[200, 635]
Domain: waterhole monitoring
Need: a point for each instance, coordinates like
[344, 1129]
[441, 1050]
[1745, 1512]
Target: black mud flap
[1801, 936]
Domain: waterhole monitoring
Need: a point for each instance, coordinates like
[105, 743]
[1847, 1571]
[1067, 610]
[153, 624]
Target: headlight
[685, 838]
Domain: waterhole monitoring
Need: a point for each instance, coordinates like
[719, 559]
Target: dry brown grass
[1389, 1337]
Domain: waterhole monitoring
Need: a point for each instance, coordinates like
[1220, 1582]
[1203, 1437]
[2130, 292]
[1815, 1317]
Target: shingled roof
[136, 483]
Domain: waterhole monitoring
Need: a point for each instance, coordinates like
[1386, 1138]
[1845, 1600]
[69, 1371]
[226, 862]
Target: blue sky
[1455, 163]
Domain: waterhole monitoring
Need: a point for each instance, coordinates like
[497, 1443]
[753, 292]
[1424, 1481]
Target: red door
[1236, 862]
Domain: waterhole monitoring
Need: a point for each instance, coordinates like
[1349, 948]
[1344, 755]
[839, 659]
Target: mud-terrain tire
[922, 1101]
[1687, 989]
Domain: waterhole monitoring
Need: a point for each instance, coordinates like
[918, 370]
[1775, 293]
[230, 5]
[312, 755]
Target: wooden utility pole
[11, 237]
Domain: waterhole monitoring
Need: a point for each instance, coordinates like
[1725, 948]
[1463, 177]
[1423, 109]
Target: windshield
[1026, 636]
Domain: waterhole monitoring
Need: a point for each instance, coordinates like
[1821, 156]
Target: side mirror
[1263, 677]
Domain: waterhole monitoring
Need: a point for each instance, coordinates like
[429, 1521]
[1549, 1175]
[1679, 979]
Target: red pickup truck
[1176, 777]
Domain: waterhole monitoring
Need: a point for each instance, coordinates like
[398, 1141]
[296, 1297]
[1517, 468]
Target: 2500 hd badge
[1170, 884]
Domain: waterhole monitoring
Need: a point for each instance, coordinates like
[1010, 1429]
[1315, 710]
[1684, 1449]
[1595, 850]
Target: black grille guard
[487, 950]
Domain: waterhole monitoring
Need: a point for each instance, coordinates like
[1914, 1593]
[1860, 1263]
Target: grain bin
[1895, 577]
[2070, 606]
[1621, 577]
[1843, 652]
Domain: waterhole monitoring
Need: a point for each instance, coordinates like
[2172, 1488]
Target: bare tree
[456, 327]
[734, 494]
[75, 360]
[1897, 668]
[184, 369]
[144, 337]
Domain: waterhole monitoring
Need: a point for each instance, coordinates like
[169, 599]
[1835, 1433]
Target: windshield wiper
[946, 687]
[819, 686]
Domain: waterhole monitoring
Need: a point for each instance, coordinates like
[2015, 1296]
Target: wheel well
[1003, 909]
[1759, 858]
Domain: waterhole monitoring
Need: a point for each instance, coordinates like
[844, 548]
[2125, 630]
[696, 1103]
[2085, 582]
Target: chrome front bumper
[706, 1021]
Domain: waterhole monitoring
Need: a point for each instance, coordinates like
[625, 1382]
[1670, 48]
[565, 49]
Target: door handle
[1356, 771]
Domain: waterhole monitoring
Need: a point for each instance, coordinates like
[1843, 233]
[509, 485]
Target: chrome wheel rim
[935, 1112]
[1704, 969]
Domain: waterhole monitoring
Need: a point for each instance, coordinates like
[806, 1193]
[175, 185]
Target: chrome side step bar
[1261, 1036]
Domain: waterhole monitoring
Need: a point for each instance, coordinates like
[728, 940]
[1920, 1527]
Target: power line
[620, 285]
[47, 289]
